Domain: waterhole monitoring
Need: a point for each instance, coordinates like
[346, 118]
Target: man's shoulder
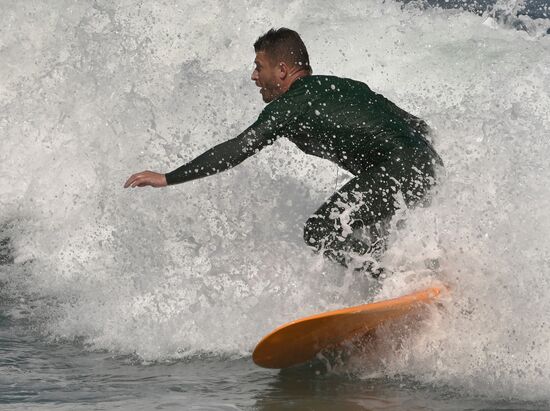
[326, 85]
[327, 81]
[304, 91]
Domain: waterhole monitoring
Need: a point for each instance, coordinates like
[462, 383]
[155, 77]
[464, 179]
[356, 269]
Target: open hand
[146, 178]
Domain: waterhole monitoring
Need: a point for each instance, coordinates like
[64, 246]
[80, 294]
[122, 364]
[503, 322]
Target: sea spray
[94, 92]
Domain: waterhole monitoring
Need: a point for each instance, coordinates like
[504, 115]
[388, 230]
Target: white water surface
[91, 92]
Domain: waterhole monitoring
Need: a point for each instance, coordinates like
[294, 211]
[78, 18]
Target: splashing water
[92, 92]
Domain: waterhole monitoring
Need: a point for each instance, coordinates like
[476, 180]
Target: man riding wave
[339, 119]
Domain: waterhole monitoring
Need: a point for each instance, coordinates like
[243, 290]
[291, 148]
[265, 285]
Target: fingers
[146, 178]
[137, 180]
[130, 180]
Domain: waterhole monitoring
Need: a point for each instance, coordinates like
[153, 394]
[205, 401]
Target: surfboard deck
[301, 340]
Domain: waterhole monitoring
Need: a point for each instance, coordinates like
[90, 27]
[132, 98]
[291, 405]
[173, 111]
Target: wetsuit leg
[355, 219]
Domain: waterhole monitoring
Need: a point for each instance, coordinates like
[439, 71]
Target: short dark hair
[284, 45]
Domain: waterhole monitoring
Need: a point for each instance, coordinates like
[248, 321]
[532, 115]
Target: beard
[266, 96]
[269, 93]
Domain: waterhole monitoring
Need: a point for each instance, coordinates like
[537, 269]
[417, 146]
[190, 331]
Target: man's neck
[293, 76]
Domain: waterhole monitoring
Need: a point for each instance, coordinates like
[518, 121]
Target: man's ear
[283, 70]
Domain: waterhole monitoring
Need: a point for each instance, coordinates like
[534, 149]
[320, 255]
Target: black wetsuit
[344, 121]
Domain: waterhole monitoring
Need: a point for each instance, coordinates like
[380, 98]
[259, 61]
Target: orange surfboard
[301, 340]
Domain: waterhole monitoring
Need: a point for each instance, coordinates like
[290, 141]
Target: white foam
[94, 93]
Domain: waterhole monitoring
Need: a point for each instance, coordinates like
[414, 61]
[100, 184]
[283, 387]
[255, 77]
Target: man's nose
[254, 76]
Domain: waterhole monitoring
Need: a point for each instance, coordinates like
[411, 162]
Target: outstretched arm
[217, 159]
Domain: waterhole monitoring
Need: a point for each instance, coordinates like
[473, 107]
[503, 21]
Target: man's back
[344, 121]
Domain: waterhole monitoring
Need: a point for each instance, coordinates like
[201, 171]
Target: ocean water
[154, 299]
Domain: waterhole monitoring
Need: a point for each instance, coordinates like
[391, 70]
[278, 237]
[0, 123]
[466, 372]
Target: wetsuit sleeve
[227, 154]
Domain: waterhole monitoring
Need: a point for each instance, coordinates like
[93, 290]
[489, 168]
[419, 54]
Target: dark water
[61, 376]
[535, 9]
[511, 14]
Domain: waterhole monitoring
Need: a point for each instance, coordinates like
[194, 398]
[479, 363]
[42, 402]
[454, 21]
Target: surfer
[342, 120]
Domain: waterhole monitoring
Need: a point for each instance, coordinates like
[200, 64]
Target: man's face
[266, 76]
